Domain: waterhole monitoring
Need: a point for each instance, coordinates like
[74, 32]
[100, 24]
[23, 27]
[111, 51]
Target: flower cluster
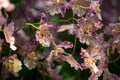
[11, 64]
[29, 38]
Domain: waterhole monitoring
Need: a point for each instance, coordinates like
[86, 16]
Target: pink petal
[63, 28]
[66, 44]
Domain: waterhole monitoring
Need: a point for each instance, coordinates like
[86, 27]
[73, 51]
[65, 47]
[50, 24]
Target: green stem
[115, 60]
[75, 39]
[73, 19]
[66, 20]
[108, 54]
[74, 47]
[112, 61]
[30, 24]
[27, 24]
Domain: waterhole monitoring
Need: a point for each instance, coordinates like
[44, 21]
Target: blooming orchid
[30, 60]
[59, 53]
[88, 61]
[56, 6]
[43, 35]
[13, 64]
[80, 7]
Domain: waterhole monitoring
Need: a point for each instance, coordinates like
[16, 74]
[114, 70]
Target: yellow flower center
[97, 8]
[31, 56]
[87, 28]
[58, 50]
[118, 27]
[89, 61]
[9, 65]
[43, 31]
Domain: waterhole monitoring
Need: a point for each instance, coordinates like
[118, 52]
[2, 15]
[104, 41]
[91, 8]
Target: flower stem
[72, 18]
[25, 25]
[108, 54]
[30, 24]
[75, 39]
[115, 60]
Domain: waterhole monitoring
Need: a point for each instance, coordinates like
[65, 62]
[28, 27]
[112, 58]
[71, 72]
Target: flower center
[118, 28]
[9, 65]
[87, 28]
[31, 56]
[59, 50]
[89, 61]
[43, 31]
[97, 8]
